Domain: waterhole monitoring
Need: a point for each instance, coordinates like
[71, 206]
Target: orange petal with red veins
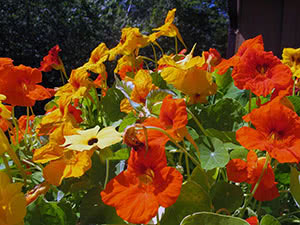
[250, 138]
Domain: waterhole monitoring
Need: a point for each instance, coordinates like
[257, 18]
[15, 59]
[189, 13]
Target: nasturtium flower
[19, 84]
[255, 43]
[5, 114]
[98, 56]
[261, 72]
[87, 139]
[131, 41]
[146, 184]
[62, 163]
[168, 29]
[52, 60]
[253, 220]
[291, 58]
[277, 132]
[12, 202]
[249, 171]
[187, 76]
[128, 65]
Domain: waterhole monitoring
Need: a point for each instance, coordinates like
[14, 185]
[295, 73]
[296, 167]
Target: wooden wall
[277, 20]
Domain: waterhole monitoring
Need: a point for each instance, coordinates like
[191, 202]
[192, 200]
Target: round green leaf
[207, 218]
[213, 153]
[225, 195]
[295, 185]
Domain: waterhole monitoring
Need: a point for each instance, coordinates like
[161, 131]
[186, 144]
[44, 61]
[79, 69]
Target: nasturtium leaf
[212, 153]
[223, 81]
[121, 154]
[111, 104]
[127, 121]
[208, 218]
[239, 153]
[242, 96]
[296, 102]
[225, 136]
[193, 198]
[154, 100]
[204, 178]
[226, 196]
[269, 220]
[158, 81]
[295, 185]
[283, 173]
[41, 212]
[125, 87]
[71, 217]
[225, 115]
[94, 211]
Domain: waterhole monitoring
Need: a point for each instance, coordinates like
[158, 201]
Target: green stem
[187, 165]
[250, 96]
[197, 122]
[175, 142]
[15, 124]
[247, 201]
[157, 218]
[7, 167]
[106, 172]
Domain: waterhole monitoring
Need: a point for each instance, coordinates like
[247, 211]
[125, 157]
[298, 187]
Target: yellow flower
[131, 41]
[87, 139]
[63, 163]
[187, 76]
[4, 112]
[291, 57]
[168, 29]
[98, 56]
[12, 202]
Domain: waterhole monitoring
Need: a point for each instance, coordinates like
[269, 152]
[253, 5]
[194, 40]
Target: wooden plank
[261, 17]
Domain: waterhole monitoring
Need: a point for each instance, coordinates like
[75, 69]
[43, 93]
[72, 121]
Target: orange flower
[19, 84]
[148, 183]
[261, 72]
[52, 60]
[240, 171]
[212, 59]
[277, 131]
[256, 43]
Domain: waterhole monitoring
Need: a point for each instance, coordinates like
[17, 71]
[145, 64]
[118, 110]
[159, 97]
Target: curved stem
[155, 56]
[15, 124]
[106, 172]
[175, 142]
[197, 122]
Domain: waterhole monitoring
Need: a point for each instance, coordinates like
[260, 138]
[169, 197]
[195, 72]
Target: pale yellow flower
[87, 139]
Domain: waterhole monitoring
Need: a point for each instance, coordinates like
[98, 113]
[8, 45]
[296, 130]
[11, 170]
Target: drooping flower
[250, 171]
[19, 84]
[187, 76]
[255, 43]
[146, 184]
[12, 202]
[87, 139]
[277, 132]
[52, 60]
[291, 58]
[261, 72]
[131, 41]
[128, 65]
[168, 29]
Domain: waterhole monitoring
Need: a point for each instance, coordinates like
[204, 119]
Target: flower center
[262, 69]
[92, 141]
[147, 177]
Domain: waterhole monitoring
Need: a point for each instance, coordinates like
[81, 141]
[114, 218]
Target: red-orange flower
[256, 43]
[51, 60]
[253, 220]
[240, 171]
[277, 131]
[261, 72]
[19, 84]
[148, 183]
